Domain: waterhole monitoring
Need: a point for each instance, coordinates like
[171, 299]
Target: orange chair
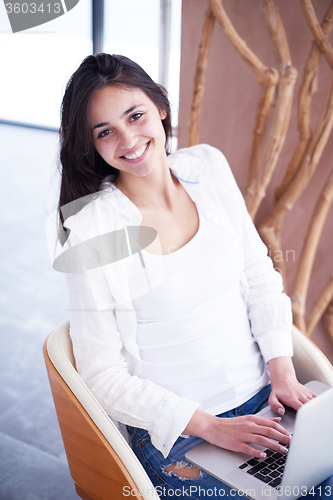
[100, 460]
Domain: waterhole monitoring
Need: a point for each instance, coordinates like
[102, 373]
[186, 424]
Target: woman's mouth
[137, 154]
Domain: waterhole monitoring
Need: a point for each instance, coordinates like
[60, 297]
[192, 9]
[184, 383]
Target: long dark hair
[82, 168]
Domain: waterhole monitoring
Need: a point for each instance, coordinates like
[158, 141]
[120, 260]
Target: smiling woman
[203, 294]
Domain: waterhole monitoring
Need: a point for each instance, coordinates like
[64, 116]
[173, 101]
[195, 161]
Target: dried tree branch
[240, 45]
[259, 181]
[256, 191]
[317, 31]
[280, 44]
[264, 105]
[277, 33]
[308, 254]
[200, 77]
[319, 307]
[307, 90]
[271, 225]
[267, 78]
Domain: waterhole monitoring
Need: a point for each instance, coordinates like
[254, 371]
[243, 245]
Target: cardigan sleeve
[101, 361]
[269, 308]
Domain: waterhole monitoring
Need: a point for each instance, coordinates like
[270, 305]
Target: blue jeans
[169, 485]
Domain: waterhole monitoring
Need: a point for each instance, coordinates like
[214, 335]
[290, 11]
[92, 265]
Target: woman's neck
[158, 189]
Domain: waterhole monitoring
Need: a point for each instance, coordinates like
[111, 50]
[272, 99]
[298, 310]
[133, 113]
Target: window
[38, 63]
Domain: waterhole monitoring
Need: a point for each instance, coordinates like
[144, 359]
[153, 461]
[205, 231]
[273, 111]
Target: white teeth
[137, 154]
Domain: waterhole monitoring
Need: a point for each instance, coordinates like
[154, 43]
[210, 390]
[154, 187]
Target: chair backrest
[100, 460]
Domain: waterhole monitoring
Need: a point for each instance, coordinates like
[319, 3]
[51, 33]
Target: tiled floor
[33, 299]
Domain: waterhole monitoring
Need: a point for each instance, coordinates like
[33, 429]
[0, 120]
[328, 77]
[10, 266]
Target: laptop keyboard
[269, 470]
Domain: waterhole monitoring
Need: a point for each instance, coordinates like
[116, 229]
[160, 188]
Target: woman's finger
[281, 436]
[265, 444]
[275, 404]
[275, 423]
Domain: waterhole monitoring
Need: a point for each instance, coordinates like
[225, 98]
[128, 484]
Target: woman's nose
[127, 139]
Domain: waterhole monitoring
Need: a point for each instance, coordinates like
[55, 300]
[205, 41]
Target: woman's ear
[163, 114]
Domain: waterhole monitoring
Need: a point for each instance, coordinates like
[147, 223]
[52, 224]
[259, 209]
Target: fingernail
[283, 449]
[263, 455]
[281, 411]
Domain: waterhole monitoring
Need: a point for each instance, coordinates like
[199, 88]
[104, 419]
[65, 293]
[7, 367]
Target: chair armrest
[309, 361]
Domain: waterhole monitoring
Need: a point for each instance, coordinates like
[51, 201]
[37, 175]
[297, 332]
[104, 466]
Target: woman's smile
[138, 154]
[127, 130]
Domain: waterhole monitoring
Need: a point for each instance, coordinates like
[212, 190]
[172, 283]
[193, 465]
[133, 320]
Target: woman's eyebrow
[127, 112]
[99, 125]
[130, 110]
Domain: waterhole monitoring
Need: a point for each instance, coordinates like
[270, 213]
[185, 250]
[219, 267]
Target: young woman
[173, 334]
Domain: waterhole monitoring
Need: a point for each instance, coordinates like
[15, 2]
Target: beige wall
[229, 107]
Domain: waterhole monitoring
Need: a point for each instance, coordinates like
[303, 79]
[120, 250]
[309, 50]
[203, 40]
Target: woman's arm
[101, 361]
[271, 322]
[269, 309]
[238, 433]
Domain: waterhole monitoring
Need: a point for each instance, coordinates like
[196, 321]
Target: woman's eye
[104, 133]
[136, 116]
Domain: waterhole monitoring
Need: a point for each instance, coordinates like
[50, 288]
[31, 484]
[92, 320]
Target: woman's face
[127, 130]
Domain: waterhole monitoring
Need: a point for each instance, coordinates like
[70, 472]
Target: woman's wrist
[281, 368]
[200, 425]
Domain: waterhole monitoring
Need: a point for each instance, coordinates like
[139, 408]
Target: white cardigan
[103, 321]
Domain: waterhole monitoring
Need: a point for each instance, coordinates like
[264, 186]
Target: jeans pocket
[147, 454]
[141, 436]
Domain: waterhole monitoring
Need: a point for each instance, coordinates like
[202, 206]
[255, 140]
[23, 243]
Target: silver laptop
[308, 462]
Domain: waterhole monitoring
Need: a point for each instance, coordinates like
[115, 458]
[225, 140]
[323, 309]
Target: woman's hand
[239, 433]
[285, 387]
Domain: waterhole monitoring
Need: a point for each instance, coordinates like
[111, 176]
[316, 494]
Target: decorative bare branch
[267, 78]
[200, 77]
[319, 36]
[240, 45]
[308, 89]
[261, 174]
[319, 307]
[306, 157]
[309, 252]
[270, 227]
[256, 191]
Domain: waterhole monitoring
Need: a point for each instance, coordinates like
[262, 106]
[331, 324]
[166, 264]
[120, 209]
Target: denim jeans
[169, 485]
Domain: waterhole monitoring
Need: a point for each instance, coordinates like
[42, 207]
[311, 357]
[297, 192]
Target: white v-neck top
[193, 331]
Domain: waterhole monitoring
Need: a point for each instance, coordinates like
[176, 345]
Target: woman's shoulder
[92, 214]
[202, 160]
[200, 151]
